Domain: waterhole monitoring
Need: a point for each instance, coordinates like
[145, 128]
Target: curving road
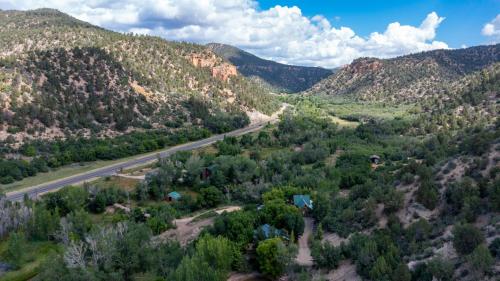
[34, 191]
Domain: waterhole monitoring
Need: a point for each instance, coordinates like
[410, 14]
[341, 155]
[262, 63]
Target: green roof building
[303, 201]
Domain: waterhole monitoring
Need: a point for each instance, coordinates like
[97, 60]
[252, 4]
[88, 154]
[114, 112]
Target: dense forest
[393, 218]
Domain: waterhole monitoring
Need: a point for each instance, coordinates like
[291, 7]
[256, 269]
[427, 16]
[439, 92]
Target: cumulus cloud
[492, 29]
[281, 33]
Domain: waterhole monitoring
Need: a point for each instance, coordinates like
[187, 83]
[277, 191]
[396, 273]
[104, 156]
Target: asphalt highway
[34, 191]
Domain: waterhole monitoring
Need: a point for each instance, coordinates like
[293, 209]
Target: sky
[328, 33]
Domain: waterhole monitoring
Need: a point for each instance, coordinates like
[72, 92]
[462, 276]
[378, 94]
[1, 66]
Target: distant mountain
[282, 77]
[61, 76]
[411, 78]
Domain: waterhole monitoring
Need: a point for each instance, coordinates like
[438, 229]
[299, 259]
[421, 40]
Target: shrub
[466, 238]
[481, 259]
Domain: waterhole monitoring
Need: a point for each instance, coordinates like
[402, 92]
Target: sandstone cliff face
[224, 71]
[275, 76]
[220, 70]
[203, 60]
[362, 66]
[411, 78]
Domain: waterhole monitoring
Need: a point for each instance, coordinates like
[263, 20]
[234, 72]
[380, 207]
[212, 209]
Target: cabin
[267, 231]
[303, 202]
[173, 196]
[207, 172]
[375, 159]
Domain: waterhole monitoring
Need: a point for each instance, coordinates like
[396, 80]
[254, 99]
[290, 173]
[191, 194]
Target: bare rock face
[275, 76]
[362, 66]
[224, 71]
[220, 70]
[203, 60]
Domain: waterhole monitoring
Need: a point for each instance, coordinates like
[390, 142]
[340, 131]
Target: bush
[427, 194]
[495, 248]
[211, 197]
[441, 269]
[466, 238]
[326, 255]
[481, 259]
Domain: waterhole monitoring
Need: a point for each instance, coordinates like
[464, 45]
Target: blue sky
[303, 32]
[463, 24]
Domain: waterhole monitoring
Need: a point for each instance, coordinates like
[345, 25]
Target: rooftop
[302, 201]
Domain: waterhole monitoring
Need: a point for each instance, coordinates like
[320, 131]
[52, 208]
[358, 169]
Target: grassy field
[344, 123]
[126, 184]
[342, 108]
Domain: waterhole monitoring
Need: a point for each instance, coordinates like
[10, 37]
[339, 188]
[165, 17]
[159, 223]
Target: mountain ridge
[64, 75]
[281, 77]
[407, 78]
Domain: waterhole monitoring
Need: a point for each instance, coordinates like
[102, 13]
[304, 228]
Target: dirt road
[187, 229]
[304, 257]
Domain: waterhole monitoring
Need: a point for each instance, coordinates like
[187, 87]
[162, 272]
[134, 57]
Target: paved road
[113, 169]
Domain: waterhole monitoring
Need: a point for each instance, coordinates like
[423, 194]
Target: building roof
[266, 229]
[302, 201]
[269, 231]
[174, 195]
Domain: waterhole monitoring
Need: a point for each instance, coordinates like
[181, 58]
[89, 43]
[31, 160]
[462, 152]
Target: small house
[267, 231]
[303, 202]
[375, 159]
[173, 196]
[207, 172]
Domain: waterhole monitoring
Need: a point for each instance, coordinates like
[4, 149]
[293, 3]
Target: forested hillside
[427, 210]
[408, 79]
[59, 76]
[277, 76]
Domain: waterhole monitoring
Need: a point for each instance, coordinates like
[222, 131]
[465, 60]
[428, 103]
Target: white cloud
[280, 33]
[492, 29]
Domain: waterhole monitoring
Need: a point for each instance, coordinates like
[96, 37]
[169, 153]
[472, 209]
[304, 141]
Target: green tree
[282, 215]
[427, 194]
[401, 273]
[212, 260]
[495, 248]
[237, 226]
[481, 260]
[194, 167]
[43, 224]
[81, 223]
[211, 196]
[466, 238]
[325, 255]
[441, 269]
[29, 151]
[273, 257]
[380, 270]
[16, 249]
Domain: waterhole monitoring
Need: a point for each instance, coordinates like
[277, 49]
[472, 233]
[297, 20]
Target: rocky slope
[410, 78]
[280, 77]
[59, 75]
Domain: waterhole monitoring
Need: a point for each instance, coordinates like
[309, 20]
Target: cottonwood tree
[13, 216]
[74, 256]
